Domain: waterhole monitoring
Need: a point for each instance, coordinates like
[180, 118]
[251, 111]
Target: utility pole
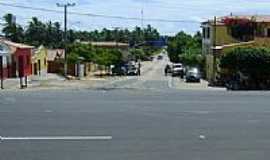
[65, 6]
[2, 72]
[116, 36]
[215, 50]
[142, 18]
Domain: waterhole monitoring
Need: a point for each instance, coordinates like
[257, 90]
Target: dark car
[160, 57]
[193, 75]
[119, 71]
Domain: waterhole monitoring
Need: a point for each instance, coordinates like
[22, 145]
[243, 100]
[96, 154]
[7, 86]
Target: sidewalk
[203, 85]
[32, 81]
[54, 81]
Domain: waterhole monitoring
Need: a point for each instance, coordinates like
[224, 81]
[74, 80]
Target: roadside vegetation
[250, 67]
[87, 53]
[186, 49]
[50, 34]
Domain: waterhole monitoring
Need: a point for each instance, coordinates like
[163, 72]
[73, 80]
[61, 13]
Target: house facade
[92, 68]
[39, 62]
[55, 59]
[225, 33]
[17, 62]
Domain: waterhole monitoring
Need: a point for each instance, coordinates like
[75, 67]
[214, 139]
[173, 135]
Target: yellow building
[219, 37]
[39, 62]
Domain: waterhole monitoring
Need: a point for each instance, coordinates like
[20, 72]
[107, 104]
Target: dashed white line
[78, 138]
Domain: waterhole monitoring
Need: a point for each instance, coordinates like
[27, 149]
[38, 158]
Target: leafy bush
[254, 62]
[182, 44]
[100, 56]
[137, 53]
[77, 50]
[192, 59]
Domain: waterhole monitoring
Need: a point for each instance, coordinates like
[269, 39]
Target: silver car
[193, 75]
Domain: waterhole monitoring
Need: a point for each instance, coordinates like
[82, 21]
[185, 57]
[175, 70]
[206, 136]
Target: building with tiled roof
[223, 33]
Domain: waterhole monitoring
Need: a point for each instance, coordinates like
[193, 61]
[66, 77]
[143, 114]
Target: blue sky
[186, 10]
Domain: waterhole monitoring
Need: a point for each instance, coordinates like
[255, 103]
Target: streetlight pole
[116, 36]
[65, 6]
[215, 50]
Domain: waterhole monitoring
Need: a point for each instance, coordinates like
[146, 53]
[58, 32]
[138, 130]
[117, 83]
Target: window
[208, 32]
[204, 36]
[268, 32]
[45, 61]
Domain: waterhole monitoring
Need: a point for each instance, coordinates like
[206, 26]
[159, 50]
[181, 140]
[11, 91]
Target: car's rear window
[177, 66]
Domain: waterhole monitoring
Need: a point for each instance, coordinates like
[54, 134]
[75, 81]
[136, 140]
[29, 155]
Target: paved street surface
[151, 117]
[153, 78]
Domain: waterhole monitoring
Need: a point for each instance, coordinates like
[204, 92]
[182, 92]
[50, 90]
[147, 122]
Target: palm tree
[11, 30]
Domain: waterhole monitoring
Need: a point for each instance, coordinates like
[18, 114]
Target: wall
[222, 36]
[41, 55]
[27, 65]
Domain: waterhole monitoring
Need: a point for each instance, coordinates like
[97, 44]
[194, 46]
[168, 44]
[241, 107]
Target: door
[21, 66]
[35, 68]
[39, 67]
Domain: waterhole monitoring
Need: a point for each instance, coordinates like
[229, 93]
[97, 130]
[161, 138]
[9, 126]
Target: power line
[98, 15]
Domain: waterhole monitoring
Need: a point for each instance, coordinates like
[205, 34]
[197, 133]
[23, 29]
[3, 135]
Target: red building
[17, 63]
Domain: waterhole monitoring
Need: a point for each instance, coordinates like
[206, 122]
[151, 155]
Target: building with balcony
[224, 33]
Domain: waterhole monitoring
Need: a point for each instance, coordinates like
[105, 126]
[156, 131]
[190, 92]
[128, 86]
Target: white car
[178, 70]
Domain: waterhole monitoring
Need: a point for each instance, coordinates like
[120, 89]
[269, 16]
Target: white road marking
[48, 111]
[79, 138]
[170, 82]
[202, 137]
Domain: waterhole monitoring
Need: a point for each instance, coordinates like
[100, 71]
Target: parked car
[178, 70]
[119, 71]
[193, 75]
[132, 70]
[160, 57]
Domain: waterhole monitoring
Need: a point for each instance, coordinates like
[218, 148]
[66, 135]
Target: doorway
[39, 67]
[35, 68]
[21, 66]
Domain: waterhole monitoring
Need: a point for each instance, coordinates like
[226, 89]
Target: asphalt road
[146, 117]
[152, 78]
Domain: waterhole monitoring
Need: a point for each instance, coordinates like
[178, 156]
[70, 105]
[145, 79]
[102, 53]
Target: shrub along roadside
[254, 63]
[99, 56]
[144, 53]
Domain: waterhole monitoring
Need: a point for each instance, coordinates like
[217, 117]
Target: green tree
[36, 33]
[137, 53]
[11, 30]
[50, 34]
[151, 34]
[78, 50]
[108, 57]
[183, 43]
